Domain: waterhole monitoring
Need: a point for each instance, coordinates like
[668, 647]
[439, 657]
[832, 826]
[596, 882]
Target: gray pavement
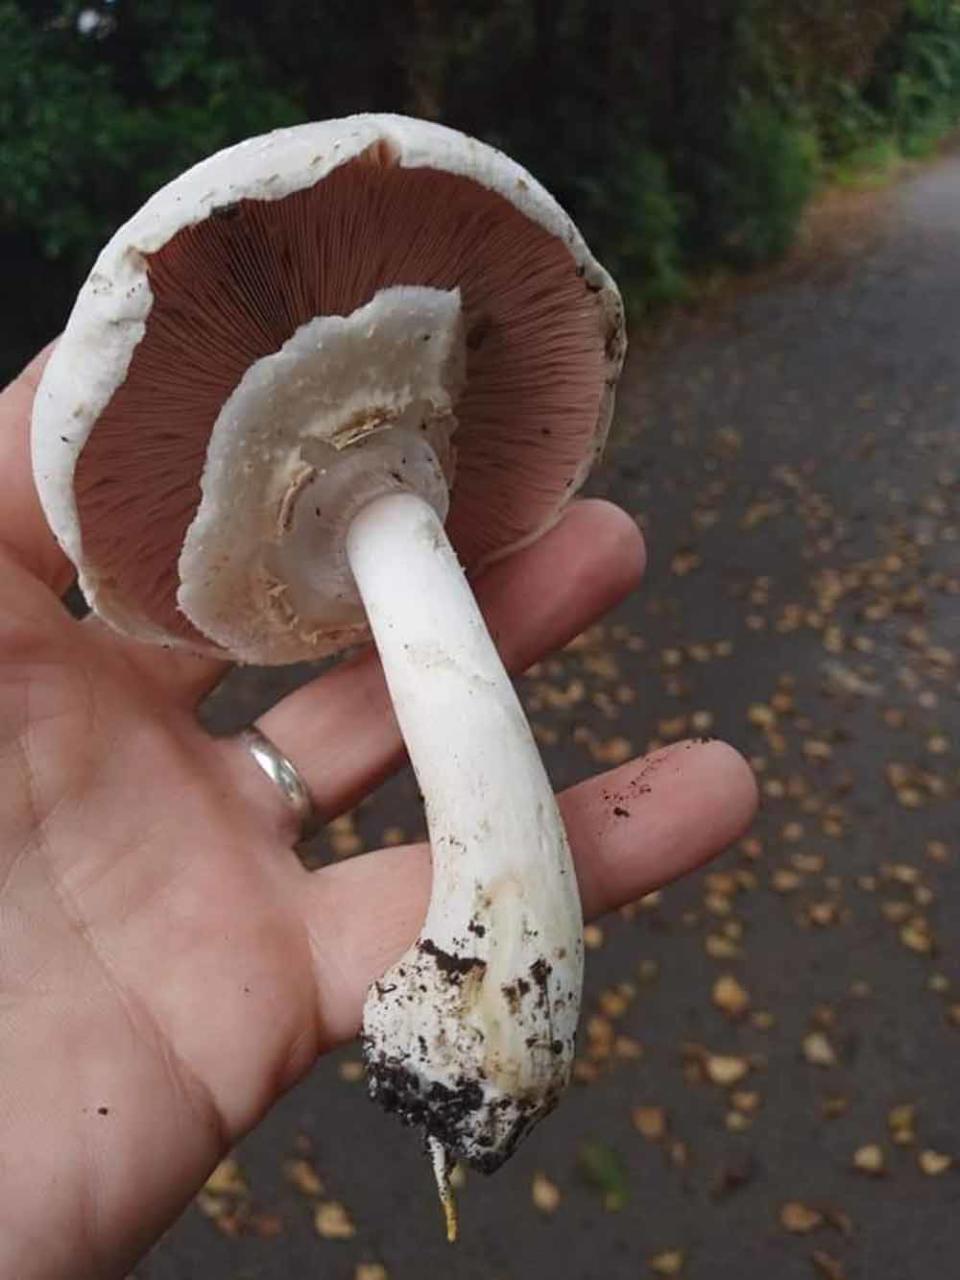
[794, 456]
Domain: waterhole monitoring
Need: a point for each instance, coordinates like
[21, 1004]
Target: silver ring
[285, 774]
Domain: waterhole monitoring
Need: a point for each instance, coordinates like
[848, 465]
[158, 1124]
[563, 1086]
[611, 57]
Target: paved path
[795, 460]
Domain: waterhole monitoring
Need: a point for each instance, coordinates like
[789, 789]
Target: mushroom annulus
[312, 387]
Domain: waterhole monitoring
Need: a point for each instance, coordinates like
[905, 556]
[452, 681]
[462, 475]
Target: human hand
[167, 966]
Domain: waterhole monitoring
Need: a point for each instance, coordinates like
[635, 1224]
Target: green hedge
[682, 135]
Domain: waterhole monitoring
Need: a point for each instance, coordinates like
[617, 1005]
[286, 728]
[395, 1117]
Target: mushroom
[308, 381]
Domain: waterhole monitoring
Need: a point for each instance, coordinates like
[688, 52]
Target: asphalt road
[794, 457]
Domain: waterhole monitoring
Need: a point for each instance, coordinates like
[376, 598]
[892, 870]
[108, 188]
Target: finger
[24, 531]
[631, 830]
[354, 693]
[340, 730]
[178, 676]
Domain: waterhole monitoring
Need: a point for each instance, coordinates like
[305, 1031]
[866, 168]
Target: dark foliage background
[683, 136]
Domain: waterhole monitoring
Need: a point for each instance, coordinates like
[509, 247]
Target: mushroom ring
[281, 771]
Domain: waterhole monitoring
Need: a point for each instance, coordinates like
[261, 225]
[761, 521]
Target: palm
[167, 967]
[156, 970]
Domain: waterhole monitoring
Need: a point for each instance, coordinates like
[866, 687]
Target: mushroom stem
[471, 1033]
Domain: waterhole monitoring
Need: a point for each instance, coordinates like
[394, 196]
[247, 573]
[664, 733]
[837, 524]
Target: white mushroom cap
[224, 265]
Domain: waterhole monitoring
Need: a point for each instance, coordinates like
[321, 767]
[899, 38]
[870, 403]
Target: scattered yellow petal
[332, 1222]
[351, 1070]
[544, 1193]
[799, 1218]
[933, 1163]
[730, 996]
[870, 1159]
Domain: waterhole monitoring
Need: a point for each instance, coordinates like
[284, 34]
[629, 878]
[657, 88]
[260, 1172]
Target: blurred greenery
[681, 136]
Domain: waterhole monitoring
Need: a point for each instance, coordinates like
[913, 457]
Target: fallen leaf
[544, 1193]
[827, 1265]
[799, 1218]
[678, 1153]
[730, 997]
[725, 1069]
[650, 1121]
[720, 948]
[627, 1048]
[818, 1050]
[933, 1163]
[761, 715]
[746, 1101]
[901, 1122]
[834, 1105]
[870, 1159]
[332, 1222]
[785, 880]
[370, 1271]
[267, 1226]
[917, 935]
[226, 1180]
[592, 937]
[603, 1169]
[733, 1177]
[668, 1263]
[302, 1175]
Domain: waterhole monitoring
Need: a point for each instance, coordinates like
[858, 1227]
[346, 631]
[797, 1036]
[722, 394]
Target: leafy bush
[679, 135]
[917, 81]
[759, 185]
